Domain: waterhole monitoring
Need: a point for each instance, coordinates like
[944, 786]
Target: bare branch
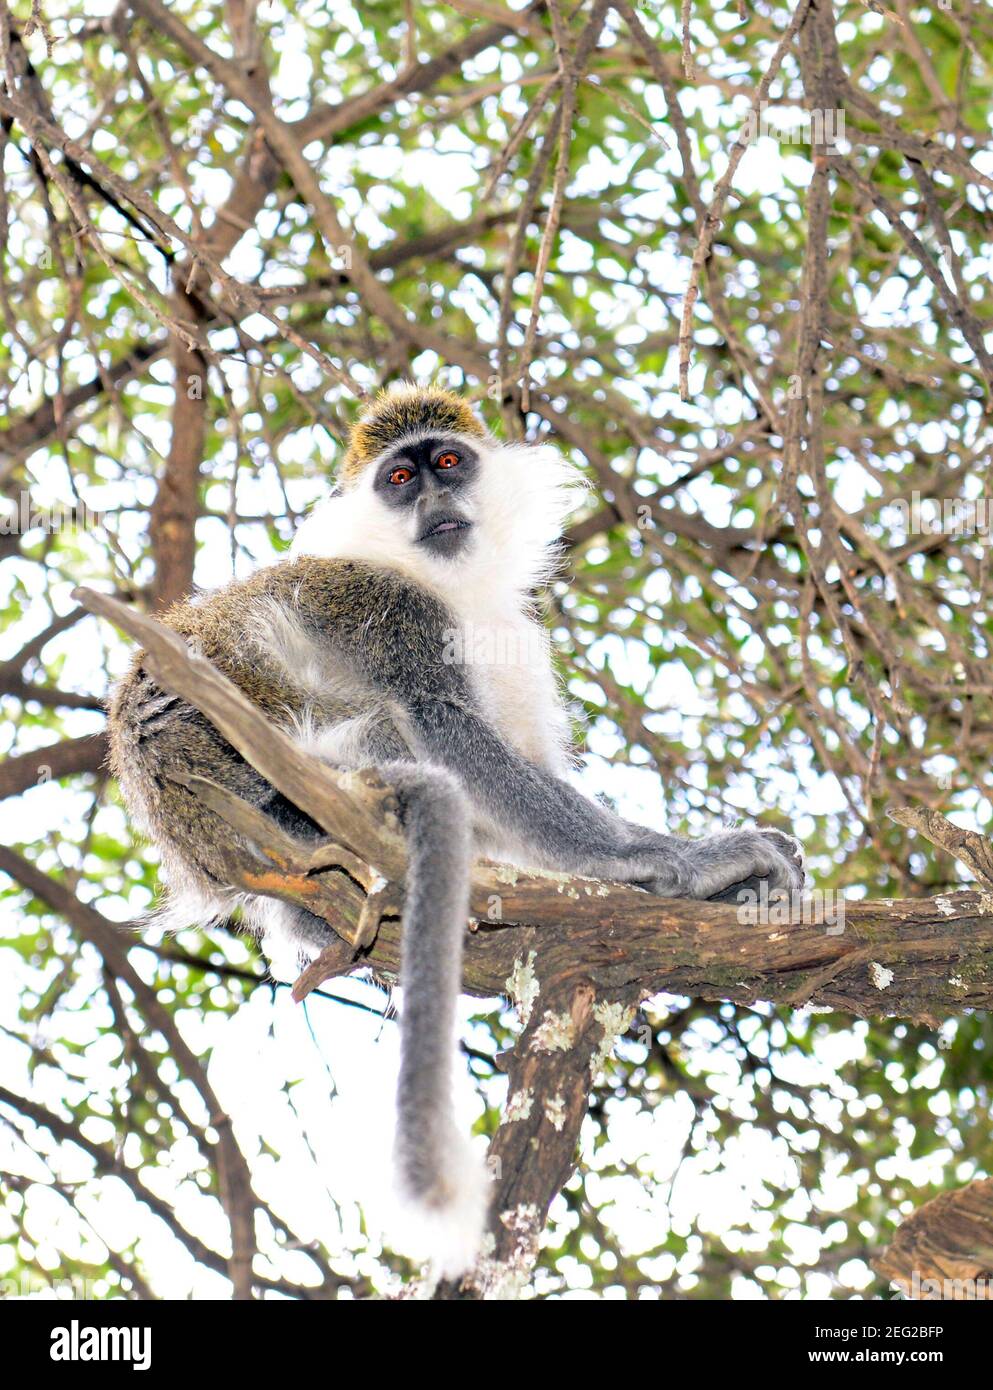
[970, 848]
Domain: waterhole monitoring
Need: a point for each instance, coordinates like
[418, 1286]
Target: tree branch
[533, 1153]
[48, 764]
[970, 848]
[173, 516]
[234, 1180]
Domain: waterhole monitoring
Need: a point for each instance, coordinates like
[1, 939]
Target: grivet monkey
[364, 645]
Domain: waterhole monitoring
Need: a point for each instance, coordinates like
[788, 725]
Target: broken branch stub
[970, 848]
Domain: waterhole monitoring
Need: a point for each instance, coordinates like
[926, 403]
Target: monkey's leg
[292, 936]
[291, 933]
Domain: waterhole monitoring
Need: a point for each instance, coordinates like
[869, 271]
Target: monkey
[363, 643]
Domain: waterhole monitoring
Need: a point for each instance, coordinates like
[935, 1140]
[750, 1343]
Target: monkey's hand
[734, 862]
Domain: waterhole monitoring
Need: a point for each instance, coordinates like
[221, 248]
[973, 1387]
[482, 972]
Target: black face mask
[431, 480]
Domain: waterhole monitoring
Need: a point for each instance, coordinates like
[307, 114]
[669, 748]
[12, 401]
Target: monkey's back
[262, 633]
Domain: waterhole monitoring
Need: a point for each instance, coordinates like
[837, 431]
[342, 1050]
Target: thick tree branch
[172, 521]
[533, 1153]
[48, 764]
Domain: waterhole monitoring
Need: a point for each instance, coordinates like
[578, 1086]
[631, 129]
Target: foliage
[753, 621]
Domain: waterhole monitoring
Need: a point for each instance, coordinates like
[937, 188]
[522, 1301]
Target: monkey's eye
[448, 460]
[399, 476]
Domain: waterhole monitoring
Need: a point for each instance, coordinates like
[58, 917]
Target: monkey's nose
[432, 493]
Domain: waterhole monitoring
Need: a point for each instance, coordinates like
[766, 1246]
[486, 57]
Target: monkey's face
[429, 487]
[474, 520]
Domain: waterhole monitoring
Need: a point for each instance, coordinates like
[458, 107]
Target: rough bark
[945, 1249]
[973, 850]
[533, 1153]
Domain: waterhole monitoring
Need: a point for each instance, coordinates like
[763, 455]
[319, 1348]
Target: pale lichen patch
[879, 975]
[522, 1219]
[555, 1112]
[522, 986]
[505, 1279]
[555, 876]
[519, 1105]
[573, 885]
[957, 982]
[555, 1033]
[944, 906]
[614, 1019]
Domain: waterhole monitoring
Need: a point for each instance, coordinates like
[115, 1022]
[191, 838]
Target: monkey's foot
[733, 866]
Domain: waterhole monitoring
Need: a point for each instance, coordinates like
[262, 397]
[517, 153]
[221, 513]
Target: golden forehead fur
[397, 413]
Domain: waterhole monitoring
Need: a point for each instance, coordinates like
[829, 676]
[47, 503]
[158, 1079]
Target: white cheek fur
[521, 499]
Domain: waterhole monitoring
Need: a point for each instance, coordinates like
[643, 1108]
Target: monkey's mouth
[444, 527]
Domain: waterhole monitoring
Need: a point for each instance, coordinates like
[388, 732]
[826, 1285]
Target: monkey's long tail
[442, 1190]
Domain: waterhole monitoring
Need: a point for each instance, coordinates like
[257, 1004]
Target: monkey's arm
[394, 634]
[560, 828]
